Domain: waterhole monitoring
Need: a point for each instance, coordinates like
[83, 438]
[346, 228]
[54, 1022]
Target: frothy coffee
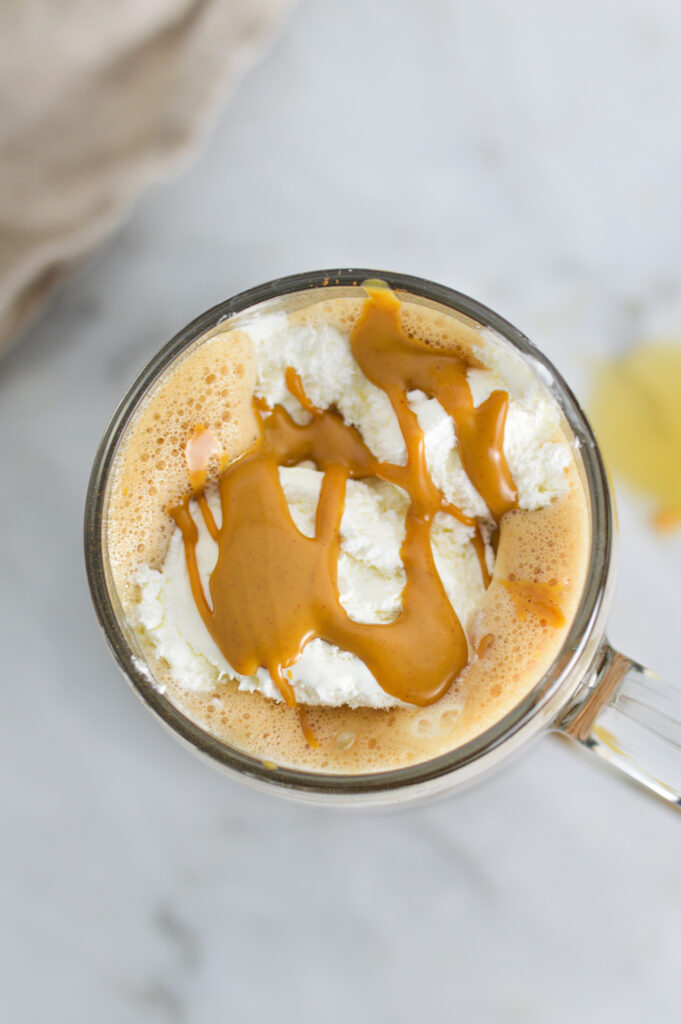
[540, 561]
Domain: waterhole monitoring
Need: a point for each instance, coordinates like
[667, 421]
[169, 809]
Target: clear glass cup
[592, 694]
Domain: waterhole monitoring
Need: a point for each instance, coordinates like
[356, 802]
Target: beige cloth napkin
[98, 99]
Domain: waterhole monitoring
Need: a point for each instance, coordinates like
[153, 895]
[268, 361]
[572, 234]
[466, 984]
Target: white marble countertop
[529, 155]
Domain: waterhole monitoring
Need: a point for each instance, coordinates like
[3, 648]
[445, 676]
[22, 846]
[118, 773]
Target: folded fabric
[99, 100]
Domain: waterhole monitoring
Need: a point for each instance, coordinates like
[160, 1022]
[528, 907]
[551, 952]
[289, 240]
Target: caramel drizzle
[535, 598]
[273, 589]
[399, 364]
[208, 516]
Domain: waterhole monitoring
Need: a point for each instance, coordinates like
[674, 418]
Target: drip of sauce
[273, 589]
[486, 641]
[636, 412]
[540, 599]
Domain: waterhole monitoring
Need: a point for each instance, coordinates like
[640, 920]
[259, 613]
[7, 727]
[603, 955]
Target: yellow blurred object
[636, 412]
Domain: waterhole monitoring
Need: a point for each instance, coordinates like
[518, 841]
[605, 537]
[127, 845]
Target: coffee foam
[209, 386]
[212, 385]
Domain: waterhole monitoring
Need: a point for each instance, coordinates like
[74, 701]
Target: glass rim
[319, 783]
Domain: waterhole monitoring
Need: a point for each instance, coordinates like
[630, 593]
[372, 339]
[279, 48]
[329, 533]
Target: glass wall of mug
[575, 665]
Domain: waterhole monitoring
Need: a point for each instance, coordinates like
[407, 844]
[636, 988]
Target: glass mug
[591, 693]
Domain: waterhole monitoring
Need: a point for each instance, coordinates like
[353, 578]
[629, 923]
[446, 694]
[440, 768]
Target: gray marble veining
[529, 155]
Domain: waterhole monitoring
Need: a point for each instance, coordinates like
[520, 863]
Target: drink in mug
[348, 536]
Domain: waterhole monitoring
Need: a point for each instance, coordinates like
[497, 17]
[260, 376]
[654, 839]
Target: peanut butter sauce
[274, 589]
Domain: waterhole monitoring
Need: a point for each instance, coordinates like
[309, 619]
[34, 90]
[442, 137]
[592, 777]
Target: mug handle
[632, 718]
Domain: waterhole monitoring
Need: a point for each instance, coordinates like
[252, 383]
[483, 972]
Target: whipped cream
[370, 571]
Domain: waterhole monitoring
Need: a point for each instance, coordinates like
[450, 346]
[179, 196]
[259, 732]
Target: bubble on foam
[344, 740]
[447, 719]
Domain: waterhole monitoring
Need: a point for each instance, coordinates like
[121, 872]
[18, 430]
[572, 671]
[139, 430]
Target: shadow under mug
[591, 693]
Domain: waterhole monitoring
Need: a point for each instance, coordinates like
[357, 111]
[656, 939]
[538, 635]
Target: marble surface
[527, 154]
